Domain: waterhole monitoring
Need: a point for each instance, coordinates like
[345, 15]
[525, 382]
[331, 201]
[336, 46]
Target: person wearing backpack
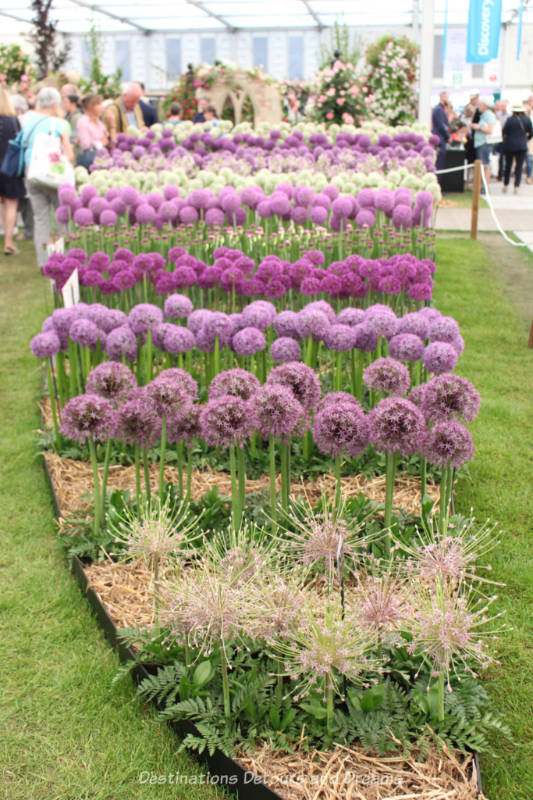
[44, 198]
[11, 188]
[516, 133]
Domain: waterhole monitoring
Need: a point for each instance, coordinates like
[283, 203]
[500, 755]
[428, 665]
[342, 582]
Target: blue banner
[519, 36]
[483, 34]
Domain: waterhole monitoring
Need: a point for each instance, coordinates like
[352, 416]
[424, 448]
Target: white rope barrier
[453, 169]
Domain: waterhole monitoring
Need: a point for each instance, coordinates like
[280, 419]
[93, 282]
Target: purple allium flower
[82, 216]
[366, 339]
[143, 317]
[62, 214]
[287, 324]
[177, 305]
[226, 421]
[350, 316]
[168, 394]
[342, 206]
[285, 349]
[275, 411]
[215, 325]
[387, 375]
[421, 291]
[458, 343]
[143, 263]
[414, 323]
[259, 314]
[449, 397]
[416, 395]
[248, 341]
[339, 337]
[188, 215]
[177, 339]
[111, 380]
[137, 420]
[318, 215]
[108, 218]
[125, 279]
[235, 382]
[182, 377]
[402, 217]
[365, 218]
[440, 357]
[123, 254]
[335, 397]
[84, 332]
[121, 342]
[444, 329]
[232, 278]
[448, 443]
[381, 319]
[197, 318]
[145, 213]
[341, 428]
[301, 379]
[87, 193]
[88, 416]
[406, 347]
[313, 322]
[184, 427]
[45, 345]
[397, 425]
[384, 200]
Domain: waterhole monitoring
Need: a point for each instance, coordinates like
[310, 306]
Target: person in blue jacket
[441, 128]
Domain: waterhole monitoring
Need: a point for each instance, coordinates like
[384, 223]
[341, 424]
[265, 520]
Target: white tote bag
[49, 166]
[496, 136]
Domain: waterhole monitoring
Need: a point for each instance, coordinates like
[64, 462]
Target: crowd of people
[83, 125]
[487, 128]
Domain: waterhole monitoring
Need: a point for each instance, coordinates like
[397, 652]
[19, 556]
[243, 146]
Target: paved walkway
[514, 212]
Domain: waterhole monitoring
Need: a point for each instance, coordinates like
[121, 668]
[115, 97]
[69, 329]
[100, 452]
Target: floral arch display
[239, 85]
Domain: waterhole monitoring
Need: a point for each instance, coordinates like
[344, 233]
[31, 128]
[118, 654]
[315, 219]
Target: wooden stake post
[476, 191]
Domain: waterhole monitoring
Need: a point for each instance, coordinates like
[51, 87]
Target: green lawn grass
[66, 734]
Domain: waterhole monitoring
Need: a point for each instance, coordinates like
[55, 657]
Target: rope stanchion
[495, 218]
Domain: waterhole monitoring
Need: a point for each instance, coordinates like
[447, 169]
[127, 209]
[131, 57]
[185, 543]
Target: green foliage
[392, 75]
[340, 47]
[14, 64]
[98, 82]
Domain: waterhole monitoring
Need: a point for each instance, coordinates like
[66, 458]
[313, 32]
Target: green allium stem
[51, 394]
[147, 488]
[96, 479]
[338, 488]
[241, 466]
[162, 456]
[389, 497]
[272, 454]
[225, 681]
[285, 475]
[234, 491]
[137, 472]
[107, 456]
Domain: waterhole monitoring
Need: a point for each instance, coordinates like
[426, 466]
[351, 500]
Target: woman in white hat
[516, 133]
[482, 130]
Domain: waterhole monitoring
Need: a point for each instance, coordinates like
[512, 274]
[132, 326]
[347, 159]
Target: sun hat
[517, 108]
[487, 100]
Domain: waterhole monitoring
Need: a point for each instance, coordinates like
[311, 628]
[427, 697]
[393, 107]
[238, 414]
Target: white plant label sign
[71, 290]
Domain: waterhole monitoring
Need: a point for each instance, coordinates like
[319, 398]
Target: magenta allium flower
[145, 213]
[448, 443]
[335, 397]
[84, 332]
[440, 357]
[215, 325]
[88, 416]
[341, 428]
[301, 379]
[259, 314]
[449, 397]
[184, 426]
[169, 394]
[339, 337]
[82, 216]
[397, 425]
[387, 375]
[235, 382]
[421, 291]
[443, 329]
[111, 380]
[125, 279]
[177, 305]
[414, 323]
[248, 341]
[406, 347]
[285, 349]
[275, 411]
[287, 324]
[366, 339]
[121, 341]
[144, 316]
[182, 377]
[137, 420]
[381, 319]
[350, 316]
[226, 421]
[45, 345]
[177, 339]
[313, 322]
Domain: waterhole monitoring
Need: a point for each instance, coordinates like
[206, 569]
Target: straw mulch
[126, 591]
[73, 481]
[350, 774]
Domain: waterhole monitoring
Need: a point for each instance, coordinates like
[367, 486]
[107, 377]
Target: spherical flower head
[197, 318]
[184, 426]
[285, 349]
[259, 314]
[87, 193]
[335, 397]
[381, 319]
[384, 200]
[365, 218]
[301, 379]
[84, 332]
[108, 218]
[366, 339]
[143, 317]
[185, 380]
[169, 395]
[440, 357]
[45, 345]
[145, 213]
[275, 411]
[448, 444]
[226, 421]
[232, 279]
[318, 215]
[216, 325]
[341, 428]
[402, 217]
[177, 339]
[88, 416]
[350, 316]
[339, 337]
[313, 322]
[111, 380]
[406, 347]
[342, 206]
[121, 342]
[177, 306]
[235, 382]
[414, 323]
[444, 329]
[248, 341]
[397, 425]
[83, 216]
[286, 324]
[450, 397]
[143, 263]
[137, 420]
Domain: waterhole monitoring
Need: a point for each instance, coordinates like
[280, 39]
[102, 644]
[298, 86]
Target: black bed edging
[227, 772]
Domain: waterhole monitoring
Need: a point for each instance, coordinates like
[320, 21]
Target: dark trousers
[440, 161]
[518, 156]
